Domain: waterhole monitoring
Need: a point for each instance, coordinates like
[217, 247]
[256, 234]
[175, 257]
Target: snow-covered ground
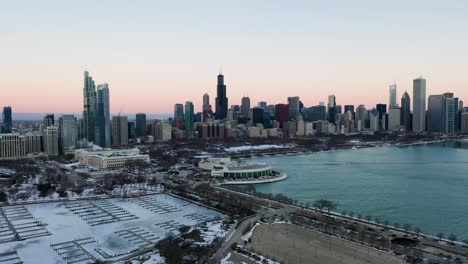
[258, 147]
[65, 226]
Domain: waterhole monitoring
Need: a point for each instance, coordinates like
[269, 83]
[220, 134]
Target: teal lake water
[422, 185]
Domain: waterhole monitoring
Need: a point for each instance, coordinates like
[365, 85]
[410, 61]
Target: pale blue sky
[156, 53]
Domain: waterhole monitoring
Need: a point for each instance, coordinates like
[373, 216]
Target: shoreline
[282, 177]
[380, 144]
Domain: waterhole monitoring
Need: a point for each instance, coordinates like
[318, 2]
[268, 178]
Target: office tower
[206, 108]
[179, 111]
[221, 99]
[89, 111]
[349, 108]
[11, 146]
[338, 111]
[257, 115]
[267, 122]
[293, 107]
[68, 133]
[161, 131]
[405, 111]
[382, 108]
[102, 124]
[281, 113]
[140, 128]
[189, 120]
[464, 122]
[394, 116]
[7, 120]
[119, 131]
[435, 113]
[245, 106]
[393, 96]
[262, 104]
[361, 113]
[131, 130]
[50, 140]
[460, 105]
[450, 113]
[374, 120]
[419, 105]
[49, 120]
[331, 108]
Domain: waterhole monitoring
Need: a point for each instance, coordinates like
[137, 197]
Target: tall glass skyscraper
[7, 120]
[68, 132]
[419, 105]
[140, 127]
[189, 120]
[393, 95]
[103, 123]
[405, 114]
[221, 99]
[89, 107]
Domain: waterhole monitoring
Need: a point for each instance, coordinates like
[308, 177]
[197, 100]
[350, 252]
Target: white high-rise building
[50, 139]
[393, 96]
[419, 105]
[394, 118]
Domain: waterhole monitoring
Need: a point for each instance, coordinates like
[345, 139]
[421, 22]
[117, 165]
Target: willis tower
[221, 99]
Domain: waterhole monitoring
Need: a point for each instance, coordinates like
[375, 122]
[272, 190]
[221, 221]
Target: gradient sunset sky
[157, 53]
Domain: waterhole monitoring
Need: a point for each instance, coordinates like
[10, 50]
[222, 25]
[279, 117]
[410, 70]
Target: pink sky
[156, 54]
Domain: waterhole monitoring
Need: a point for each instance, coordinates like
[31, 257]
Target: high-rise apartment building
[50, 140]
[102, 118]
[119, 131]
[89, 108]
[68, 133]
[419, 105]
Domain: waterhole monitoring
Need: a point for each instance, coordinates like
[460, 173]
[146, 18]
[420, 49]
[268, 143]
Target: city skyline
[156, 54]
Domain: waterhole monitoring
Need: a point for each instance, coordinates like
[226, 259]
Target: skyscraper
[245, 106]
[50, 140]
[419, 105]
[140, 129]
[450, 113]
[405, 111]
[7, 120]
[189, 120]
[179, 111]
[221, 99]
[293, 107]
[331, 108]
[119, 131]
[393, 96]
[281, 113]
[68, 133]
[257, 115]
[435, 113]
[349, 108]
[103, 124]
[89, 107]
[49, 120]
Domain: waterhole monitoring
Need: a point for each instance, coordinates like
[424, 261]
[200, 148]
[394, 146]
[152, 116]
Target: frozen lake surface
[106, 229]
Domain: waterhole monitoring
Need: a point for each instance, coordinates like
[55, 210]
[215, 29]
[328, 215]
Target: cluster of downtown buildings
[442, 113]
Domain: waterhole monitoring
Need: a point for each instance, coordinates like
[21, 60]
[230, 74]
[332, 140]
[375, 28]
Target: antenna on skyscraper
[220, 69]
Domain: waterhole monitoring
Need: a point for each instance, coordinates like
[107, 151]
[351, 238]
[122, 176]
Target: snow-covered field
[157, 216]
[258, 147]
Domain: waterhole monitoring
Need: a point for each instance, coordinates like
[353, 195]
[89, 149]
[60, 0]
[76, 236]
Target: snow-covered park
[105, 229]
